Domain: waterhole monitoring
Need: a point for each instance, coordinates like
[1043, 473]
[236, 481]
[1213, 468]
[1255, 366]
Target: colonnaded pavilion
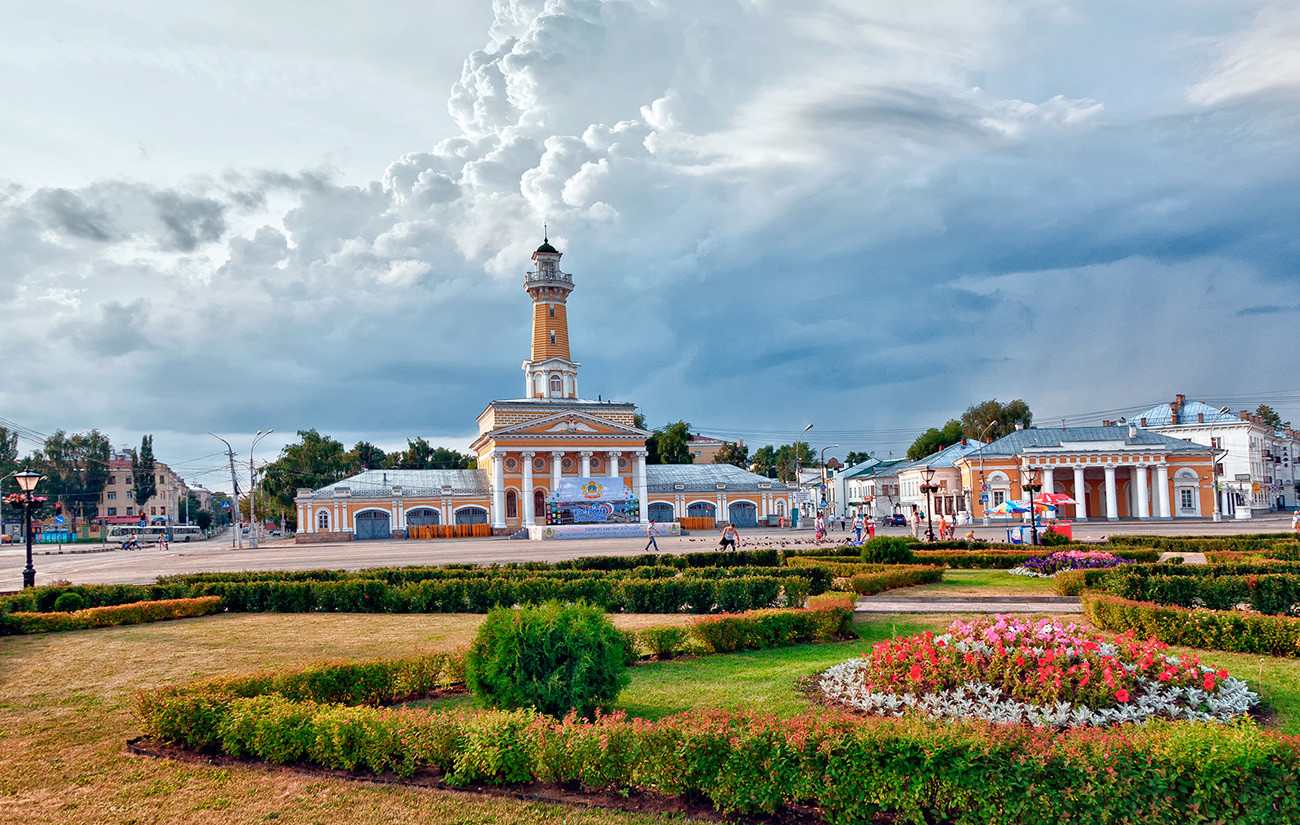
[537, 452]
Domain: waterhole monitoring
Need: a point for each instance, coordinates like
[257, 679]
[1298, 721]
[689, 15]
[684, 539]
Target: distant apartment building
[118, 504]
[704, 449]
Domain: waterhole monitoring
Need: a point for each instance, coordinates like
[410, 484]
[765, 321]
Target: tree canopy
[997, 418]
[1271, 417]
[933, 440]
[142, 473]
[855, 457]
[314, 461]
[735, 454]
[779, 462]
[670, 444]
[75, 466]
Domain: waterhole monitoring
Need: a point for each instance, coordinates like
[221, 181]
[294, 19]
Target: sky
[867, 216]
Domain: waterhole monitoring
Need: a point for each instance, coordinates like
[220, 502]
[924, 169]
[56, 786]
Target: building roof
[563, 402]
[1161, 416]
[382, 482]
[871, 467]
[1017, 442]
[546, 246]
[946, 457]
[663, 478]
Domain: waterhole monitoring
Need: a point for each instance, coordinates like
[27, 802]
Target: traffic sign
[58, 519]
[225, 505]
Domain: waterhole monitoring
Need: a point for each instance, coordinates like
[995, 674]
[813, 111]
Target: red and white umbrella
[1053, 499]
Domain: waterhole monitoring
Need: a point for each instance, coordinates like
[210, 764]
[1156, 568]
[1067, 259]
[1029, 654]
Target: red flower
[1121, 695]
[1208, 684]
[915, 673]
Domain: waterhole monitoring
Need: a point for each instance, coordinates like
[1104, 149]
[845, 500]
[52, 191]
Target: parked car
[895, 520]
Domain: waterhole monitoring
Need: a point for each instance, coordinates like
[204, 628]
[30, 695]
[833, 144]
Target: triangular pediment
[567, 424]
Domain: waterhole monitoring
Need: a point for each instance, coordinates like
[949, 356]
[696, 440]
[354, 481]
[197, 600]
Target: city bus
[153, 533]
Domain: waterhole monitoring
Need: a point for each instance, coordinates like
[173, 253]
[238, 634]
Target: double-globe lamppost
[1215, 454]
[27, 481]
[929, 487]
[252, 487]
[823, 463]
[1031, 486]
[798, 482]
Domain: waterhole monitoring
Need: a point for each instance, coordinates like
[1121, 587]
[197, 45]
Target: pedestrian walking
[857, 528]
[730, 537]
[1295, 521]
[820, 525]
[651, 532]
[871, 528]
[916, 523]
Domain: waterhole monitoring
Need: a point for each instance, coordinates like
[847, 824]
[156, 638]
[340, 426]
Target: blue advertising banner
[592, 501]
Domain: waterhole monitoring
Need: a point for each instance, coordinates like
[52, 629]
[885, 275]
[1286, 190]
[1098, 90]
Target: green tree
[75, 467]
[1271, 418]
[672, 444]
[764, 461]
[933, 440]
[421, 455]
[202, 518]
[735, 454]
[142, 473]
[855, 457]
[8, 459]
[366, 456]
[788, 457]
[314, 461]
[999, 419]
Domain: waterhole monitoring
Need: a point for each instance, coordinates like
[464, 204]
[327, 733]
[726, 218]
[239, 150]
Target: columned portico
[1080, 495]
[557, 468]
[1143, 504]
[586, 463]
[498, 490]
[527, 493]
[1162, 491]
[611, 458]
[1112, 494]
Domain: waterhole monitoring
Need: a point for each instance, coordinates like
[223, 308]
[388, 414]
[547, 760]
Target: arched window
[323, 520]
[557, 384]
[512, 504]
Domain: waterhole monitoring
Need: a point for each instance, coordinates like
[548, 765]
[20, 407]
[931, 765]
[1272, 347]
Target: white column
[1112, 496]
[1162, 490]
[527, 493]
[611, 458]
[1080, 495]
[498, 490]
[557, 467]
[586, 463]
[1049, 480]
[1143, 504]
[641, 486]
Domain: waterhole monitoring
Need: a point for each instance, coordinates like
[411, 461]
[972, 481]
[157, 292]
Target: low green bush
[1201, 544]
[1069, 582]
[887, 550]
[830, 620]
[664, 642]
[901, 575]
[854, 771]
[68, 602]
[1232, 630]
[554, 658]
[19, 623]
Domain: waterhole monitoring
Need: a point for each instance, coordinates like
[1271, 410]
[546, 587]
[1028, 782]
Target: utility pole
[252, 487]
[238, 541]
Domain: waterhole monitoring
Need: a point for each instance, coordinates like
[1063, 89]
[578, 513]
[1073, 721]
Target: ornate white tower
[549, 373]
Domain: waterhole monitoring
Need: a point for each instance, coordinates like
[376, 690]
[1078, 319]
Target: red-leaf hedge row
[14, 624]
[852, 769]
[1232, 630]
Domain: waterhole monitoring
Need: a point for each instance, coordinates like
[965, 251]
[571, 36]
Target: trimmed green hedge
[1232, 630]
[1197, 544]
[830, 620]
[854, 770]
[866, 584]
[18, 623]
[978, 556]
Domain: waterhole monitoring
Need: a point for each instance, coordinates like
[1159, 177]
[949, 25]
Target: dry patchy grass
[65, 714]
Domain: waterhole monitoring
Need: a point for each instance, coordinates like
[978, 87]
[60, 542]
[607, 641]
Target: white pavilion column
[527, 493]
[1143, 505]
[611, 458]
[1112, 494]
[557, 462]
[1049, 484]
[640, 485]
[1162, 490]
[498, 489]
[1080, 495]
[586, 463]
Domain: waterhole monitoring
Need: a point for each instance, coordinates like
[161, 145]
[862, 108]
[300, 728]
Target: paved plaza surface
[115, 566]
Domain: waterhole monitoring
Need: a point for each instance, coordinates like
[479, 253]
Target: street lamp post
[984, 491]
[237, 541]
[1032, 486]
[252, 486]
[27, 481]
[1214, 467]
[798, 484]
[929, 487]
[823, 463]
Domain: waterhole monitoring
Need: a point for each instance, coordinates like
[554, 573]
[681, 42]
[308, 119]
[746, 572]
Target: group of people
[730, 537]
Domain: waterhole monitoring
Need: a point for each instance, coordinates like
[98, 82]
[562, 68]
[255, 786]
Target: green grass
[985, 583]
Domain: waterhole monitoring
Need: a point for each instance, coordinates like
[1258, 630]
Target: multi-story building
[869, 488]
[704, 448]
[1256, 462]
[118, 504]
[952, 496]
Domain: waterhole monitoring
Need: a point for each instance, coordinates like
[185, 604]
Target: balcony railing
[548, 278]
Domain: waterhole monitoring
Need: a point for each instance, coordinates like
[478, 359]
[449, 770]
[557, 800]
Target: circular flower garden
[1044, 674]
[1048, 566]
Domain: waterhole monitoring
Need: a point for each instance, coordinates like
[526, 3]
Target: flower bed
[1046, 674]
[1045, 567]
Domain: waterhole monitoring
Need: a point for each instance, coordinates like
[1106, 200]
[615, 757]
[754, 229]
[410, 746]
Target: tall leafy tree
[672, 444]
[142, 473]
[790, 457]
[999, 419]
[933, 440]
[855, 457]
[421, 455]
[735, 454]
[366, 456]
[76, 469]
[314, 461]
[8, 459]
[1271, 418]
[764, 461]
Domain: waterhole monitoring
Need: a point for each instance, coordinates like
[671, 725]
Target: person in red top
[729, 537]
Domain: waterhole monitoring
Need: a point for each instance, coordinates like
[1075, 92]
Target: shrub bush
[138, 613]
[865, 584]
[1069, 582]
[759, 629]
[68, 602]
[1051, 538]
[1231, 630]
[887, 550]
[664, 642]
[554, 658]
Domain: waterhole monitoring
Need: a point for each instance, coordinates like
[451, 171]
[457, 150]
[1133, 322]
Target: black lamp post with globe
[929, 487]
[27, 481]
[1032, 487]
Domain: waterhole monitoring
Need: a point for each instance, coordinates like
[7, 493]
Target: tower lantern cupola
[549, 372]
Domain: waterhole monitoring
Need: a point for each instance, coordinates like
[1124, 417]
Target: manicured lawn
[984, 583]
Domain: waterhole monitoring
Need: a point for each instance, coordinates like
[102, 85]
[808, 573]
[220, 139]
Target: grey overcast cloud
[242, 215]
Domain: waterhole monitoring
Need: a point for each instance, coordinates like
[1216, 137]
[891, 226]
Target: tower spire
[549, 372]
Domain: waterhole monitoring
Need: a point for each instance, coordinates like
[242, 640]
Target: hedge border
[22, 623]
[1234, 631]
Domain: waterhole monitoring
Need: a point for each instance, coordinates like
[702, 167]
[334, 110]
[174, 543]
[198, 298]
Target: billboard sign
[592, 501]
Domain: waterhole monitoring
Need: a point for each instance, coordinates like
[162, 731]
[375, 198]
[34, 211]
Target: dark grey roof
[662, 478]
[1160, 415]
[1021, 440]
[382, 482]
[872, 467]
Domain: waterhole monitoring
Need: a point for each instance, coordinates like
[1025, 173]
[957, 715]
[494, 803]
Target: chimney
[963, 442]
[1132, 431]
[1200, 418]
[1182, 399]
[1173, 412]
[1244, 415]
[1144, 423]
[1020, 425]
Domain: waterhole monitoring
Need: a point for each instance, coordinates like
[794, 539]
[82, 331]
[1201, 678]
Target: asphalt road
[115, 566]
